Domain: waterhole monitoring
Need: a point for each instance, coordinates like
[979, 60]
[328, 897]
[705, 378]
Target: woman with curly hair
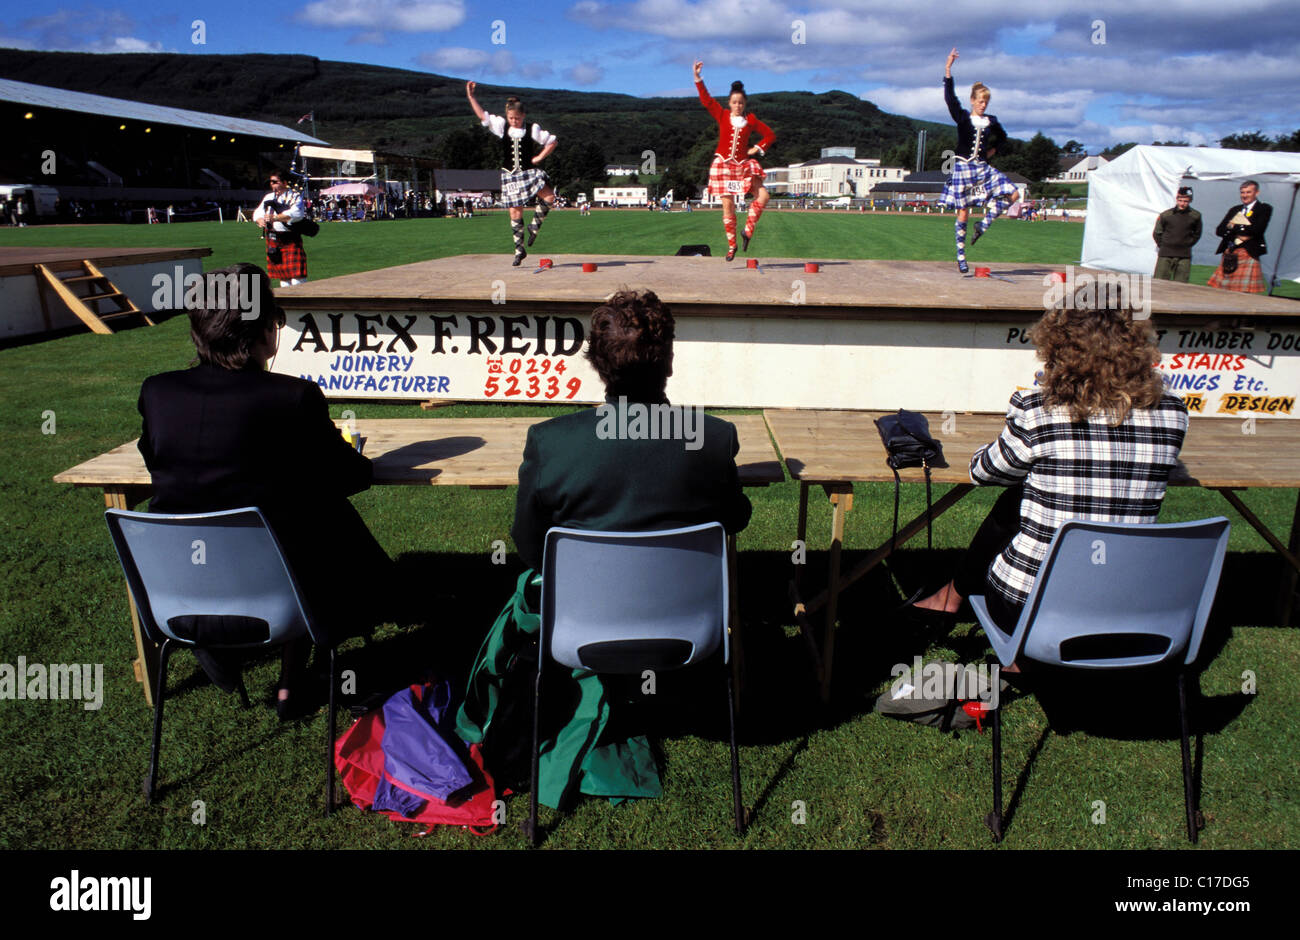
[1095, 441]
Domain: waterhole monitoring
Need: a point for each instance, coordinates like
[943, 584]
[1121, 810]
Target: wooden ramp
[98, 290]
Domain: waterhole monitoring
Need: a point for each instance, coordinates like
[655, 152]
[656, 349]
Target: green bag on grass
[581, 750]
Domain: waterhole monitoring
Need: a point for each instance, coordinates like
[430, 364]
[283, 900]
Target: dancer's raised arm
[478, 109]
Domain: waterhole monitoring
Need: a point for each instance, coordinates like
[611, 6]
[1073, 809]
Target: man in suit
[1242, 244]
[228, 434]
[576, 473]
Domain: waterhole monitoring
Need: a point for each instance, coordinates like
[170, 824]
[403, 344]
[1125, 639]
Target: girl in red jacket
[735, 172]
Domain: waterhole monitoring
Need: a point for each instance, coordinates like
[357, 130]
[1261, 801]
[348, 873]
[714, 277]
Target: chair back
[622, 602]
[1113, 595]
[209, 579]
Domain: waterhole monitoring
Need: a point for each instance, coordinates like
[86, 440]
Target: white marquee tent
[1126, 195]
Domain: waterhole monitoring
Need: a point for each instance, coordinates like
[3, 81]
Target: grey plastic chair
[1113, 596]
[624, 602]
[214, 580]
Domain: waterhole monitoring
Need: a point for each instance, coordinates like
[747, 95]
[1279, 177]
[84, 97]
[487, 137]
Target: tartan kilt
[740, 174]
[1247, 278]
[518, 190]
[974, 183]
[292, 263]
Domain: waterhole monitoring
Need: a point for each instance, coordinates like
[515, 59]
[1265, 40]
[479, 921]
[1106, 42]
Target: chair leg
[994, 819]
[738, 804]
[536, 755]
[163, 656]
[243, 691]
[1189, 794]
[329, 744]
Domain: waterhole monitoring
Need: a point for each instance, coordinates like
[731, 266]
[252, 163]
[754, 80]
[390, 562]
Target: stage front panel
[768, 361]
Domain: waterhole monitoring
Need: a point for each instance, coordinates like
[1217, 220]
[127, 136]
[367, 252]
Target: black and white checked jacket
[1084, 470]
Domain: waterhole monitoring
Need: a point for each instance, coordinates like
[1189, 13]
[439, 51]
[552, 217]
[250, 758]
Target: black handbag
[907, 440]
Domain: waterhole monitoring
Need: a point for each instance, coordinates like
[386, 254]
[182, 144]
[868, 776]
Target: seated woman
[1095, 441]
[572, 475]
[227, 434]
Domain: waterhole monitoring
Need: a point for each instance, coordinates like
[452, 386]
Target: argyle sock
[755, 210]
[539, 216]
[517, 229]
[992, 210]
[960, 232]
[729, 224]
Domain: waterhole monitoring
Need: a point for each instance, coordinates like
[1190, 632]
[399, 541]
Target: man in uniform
[1176, 231]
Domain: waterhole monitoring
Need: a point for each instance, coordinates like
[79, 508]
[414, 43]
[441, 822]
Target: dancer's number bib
[513, 188]
[736, 187]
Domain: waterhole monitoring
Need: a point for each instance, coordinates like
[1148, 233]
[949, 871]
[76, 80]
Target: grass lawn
[72, 777]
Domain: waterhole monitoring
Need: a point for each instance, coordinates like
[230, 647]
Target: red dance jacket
[733, 142]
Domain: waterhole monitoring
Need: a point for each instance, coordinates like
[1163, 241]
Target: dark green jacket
[572, 477]
[1176, 232]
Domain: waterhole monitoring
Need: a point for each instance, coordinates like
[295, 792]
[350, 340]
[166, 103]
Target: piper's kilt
[734, 178]
[293, 260]
[974, 183]
[518, 190]
[1247, 278]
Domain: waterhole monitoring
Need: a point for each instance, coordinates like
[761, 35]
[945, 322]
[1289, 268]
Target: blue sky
[1098, 71]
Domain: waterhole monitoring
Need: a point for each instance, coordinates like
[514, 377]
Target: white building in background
[620, 195]
[1075, 169]
[837, 172]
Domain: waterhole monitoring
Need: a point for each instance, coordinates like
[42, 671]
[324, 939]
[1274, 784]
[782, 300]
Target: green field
[72, 777]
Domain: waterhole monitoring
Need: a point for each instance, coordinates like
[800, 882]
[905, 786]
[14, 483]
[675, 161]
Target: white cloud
[406, 16]
[371, 37]
[126, 44]
[84, 30]
[462, 60]
[454, 58]
[535, 68]
[585, 73]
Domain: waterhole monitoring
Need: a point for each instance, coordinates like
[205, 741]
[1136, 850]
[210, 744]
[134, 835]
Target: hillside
[419, 112]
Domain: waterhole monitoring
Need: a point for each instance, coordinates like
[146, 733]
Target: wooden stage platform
[854, 335]
[712, 286]
[131, 270]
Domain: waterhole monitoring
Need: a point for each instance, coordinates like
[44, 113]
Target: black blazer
[571, 477]
[218, 439]
[992, 138]
[1254, 232]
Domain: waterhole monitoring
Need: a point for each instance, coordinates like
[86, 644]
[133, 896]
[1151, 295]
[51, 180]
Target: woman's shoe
[962, 266]
[731, 253]
[744, 241]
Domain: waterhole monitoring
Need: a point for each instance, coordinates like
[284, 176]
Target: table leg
[841, 503]
[146, 662]
[801, 534]
[1286, 603]
[1286, 596]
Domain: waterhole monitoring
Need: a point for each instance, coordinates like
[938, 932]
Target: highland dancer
[522, 178]
[735, 172]
[973, 180]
